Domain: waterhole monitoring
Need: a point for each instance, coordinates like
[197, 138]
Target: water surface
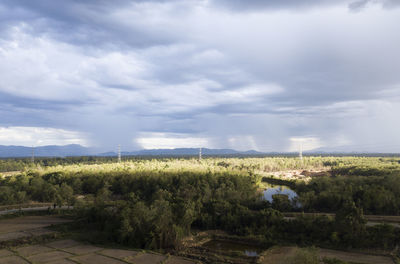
[278, 189]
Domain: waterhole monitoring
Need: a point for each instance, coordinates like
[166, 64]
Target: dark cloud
[272, 4]
[358, 5]
[391, 3]
[361, 4]
[118, 71]
[254, 5]
[93, 23]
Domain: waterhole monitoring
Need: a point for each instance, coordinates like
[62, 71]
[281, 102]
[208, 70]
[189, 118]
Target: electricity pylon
[301, 151]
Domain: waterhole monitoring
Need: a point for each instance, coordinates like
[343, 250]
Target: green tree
[351, 224]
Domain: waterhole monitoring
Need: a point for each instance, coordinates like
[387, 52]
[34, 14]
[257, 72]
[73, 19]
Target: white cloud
[170, 141]
[39, 136]
[304, 143]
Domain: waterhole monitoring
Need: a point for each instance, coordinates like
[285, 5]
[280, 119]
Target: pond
[220, 245]
[278, 189]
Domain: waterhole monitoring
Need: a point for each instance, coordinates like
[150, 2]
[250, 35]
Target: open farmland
[28, 226]
[69, 251]
[283, 255]
[66, 250]
[165, 204]
[354, 257]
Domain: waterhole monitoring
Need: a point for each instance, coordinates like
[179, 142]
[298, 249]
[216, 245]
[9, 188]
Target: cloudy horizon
[261, 75]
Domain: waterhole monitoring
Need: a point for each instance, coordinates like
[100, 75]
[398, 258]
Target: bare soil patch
[82, 249]
[67, 243]
[12, 236]
[5, 252]
[119, 253]
[61, 261]
[304, 175]
[383, 218]
[28, 223]
[355, 257]
[69, 251]
[372, 220]
[49, 256]
[176, 260]
[96, 259]
[39, 232]
[146, 258]
[277, 255]
[13, 260]
[24, 205]
[32, 250]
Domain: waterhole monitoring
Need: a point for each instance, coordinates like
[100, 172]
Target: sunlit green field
[157, 203]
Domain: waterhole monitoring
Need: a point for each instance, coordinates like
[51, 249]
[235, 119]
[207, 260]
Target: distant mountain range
[337, 149]
[78, 150]
[44, 151]
[183, 152]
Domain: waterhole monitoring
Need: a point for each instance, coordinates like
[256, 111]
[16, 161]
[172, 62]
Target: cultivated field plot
[26, 226]
[277, 255]
[70, 251]
[354, 257]
[280, 255]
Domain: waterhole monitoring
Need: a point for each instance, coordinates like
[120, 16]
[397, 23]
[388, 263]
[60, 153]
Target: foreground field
[285, 255]
[28, 226]
[70, 251]
[17, 229]
[354, 257]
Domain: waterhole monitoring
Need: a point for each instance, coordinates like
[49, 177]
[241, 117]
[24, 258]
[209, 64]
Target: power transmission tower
[301, 150]
[119, 153]
[33, 155]
[199, 153]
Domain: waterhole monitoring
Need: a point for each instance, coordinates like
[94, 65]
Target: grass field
[155, 204]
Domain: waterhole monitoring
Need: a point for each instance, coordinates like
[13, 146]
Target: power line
[301, 150]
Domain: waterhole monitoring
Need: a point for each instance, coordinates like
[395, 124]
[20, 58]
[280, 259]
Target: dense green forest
[155, 203]
[19, 164]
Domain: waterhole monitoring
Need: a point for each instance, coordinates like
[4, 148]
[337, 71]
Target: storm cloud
[240, 74]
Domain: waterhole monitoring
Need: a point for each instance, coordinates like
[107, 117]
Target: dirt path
[33, 209]
[28, 222]
[355, 257]
[372, 220]
[27, 226]
[24, 205]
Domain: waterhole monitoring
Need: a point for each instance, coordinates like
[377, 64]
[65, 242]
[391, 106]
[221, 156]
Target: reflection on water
[278, 189]
[219, 245]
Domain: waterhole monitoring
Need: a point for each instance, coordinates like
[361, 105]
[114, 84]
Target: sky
[243, 74]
